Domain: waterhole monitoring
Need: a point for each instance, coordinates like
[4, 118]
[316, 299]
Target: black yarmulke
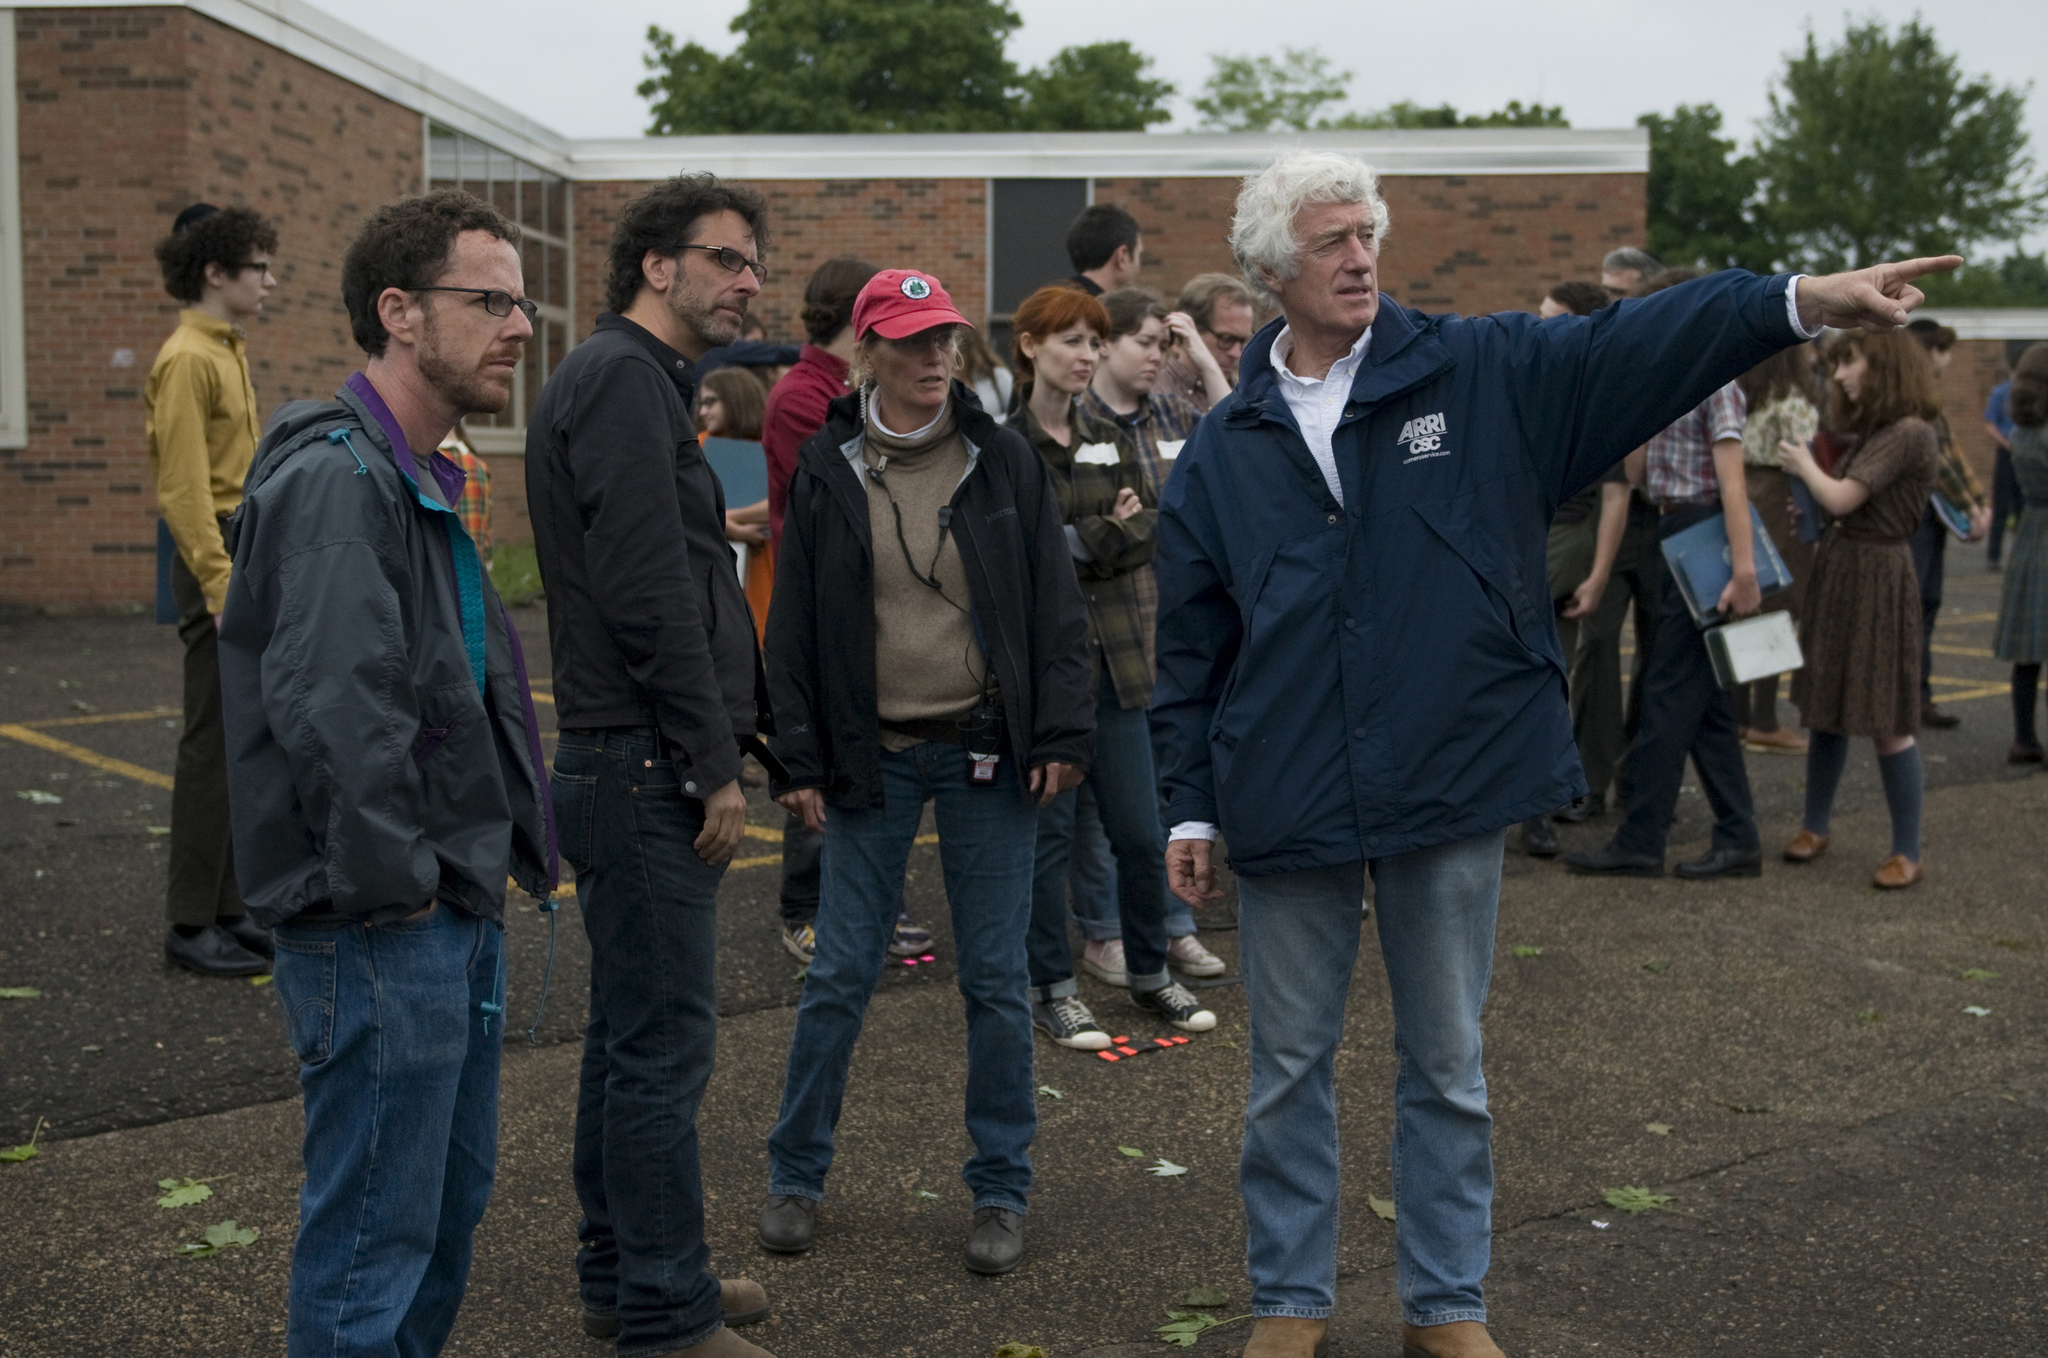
[196, 213]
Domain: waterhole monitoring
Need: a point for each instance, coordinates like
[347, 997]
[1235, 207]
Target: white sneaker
[1187, 956]
[1104, 960]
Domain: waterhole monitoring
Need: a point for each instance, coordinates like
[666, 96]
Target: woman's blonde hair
[860, 369]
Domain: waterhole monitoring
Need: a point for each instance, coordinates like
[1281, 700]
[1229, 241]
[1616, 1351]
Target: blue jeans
[1127, 800]
[649, 906]
[398, 1029]
[1684, 711]
[1298, 932]
[1091, 879]
[985, 843]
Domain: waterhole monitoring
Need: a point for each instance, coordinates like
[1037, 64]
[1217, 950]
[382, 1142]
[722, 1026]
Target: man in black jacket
[656, 677]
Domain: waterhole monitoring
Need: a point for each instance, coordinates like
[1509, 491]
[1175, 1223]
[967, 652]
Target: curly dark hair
[226, 237]
[828, 297]
[406, 244]
[662, 220]
[1579, 298]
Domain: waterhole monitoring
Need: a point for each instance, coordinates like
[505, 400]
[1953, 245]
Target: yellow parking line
[87, 757]
[540, 697]
[1971, 617]
[1965, 695]
[1962, 650]
[99, 717]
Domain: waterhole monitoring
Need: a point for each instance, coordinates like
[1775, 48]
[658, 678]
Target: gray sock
[1903, 783]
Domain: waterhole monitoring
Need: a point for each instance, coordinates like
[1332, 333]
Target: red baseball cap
[897, 303]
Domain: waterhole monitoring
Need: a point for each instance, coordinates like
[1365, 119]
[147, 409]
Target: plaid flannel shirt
[475, 509]
[1953, 478]
[1681, 458]
[1116, 578]
[1158, 428]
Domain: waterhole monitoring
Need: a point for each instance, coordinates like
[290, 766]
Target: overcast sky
[573, 66]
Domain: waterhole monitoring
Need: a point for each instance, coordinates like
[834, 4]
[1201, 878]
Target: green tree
[1098, 88]
[890, 66]
[2019, 279]
[1881, 147]
[1260, 94]
[1701, 193]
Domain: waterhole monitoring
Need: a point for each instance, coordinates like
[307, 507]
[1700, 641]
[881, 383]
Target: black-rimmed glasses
[497, 301]
[732, 261]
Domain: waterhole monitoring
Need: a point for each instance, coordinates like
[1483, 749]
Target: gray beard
[701, 319]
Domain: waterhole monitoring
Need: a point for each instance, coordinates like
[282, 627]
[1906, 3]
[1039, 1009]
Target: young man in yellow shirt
[203, 428]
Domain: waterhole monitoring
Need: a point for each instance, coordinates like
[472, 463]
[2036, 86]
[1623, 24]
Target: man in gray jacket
[385, 774]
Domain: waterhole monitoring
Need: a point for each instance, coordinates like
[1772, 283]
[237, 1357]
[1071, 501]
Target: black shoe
[1173, 1003]
[212, 952]
[995, 1240]
[1067, 1021]
[1930, 715]
[250, 935]
[788, 1224]
[1539, 839]
[1586, 808]
[1612, 862]
[1723, 863]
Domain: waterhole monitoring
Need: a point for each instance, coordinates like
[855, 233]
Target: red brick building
[113, 117]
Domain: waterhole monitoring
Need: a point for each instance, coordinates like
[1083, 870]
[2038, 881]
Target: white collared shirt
[1318, 403]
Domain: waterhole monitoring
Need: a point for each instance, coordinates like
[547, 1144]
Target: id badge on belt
[984, 739]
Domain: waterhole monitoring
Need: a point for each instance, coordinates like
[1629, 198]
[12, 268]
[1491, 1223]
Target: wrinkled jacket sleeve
[1200, 630]
[1063, 700]
[317, 620]
[791, 650]
[622, 456]
[1588, 390]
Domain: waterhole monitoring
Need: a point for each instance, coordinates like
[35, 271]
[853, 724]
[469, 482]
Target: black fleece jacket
[1027, 608]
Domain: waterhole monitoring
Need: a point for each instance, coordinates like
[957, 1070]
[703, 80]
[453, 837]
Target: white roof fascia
[322, 40]
[1991, 323]
[1110, 155]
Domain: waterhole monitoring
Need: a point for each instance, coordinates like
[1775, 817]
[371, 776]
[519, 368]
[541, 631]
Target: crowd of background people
[985, 584]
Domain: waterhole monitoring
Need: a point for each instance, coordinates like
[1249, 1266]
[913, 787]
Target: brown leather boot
[1459, 1339]
[1286, 1337]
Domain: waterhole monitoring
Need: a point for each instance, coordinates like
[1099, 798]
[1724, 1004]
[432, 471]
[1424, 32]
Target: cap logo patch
[916, 289]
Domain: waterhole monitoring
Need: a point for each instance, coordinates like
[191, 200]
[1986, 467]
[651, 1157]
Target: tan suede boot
[724, 1344]
[1286, 1337]
[1459, 1339]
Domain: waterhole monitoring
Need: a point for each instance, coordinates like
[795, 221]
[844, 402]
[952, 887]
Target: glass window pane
[532, 266]
[558, 207]
[557, 276]
[475, 172]
[504, 196]
[443, 168]
[531, 197]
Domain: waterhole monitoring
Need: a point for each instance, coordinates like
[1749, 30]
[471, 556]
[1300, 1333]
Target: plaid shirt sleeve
[1123, 610]
[475, 509]
[1954, 479]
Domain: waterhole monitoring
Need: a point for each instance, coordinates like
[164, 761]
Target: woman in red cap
[927, 643]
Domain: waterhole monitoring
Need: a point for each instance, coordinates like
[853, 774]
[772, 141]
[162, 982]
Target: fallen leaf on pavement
[264, 979]
[1634, 1199]
[1976, 1011]
[218, 1238]
[1166, 1169]
[1050, 1092]
[1131, 1151]
[1018, 1351]
[927, 1193]
[20, 992]
[1383, 1208]
[185, 1192]
[14, 1155]
[1657, 1128]
[1658, 965]
[39, 797]
[1979, 974]
[1524, 950]
[1182, 1328]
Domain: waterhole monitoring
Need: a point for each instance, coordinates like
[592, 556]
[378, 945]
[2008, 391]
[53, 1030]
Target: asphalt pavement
[1853, 1157]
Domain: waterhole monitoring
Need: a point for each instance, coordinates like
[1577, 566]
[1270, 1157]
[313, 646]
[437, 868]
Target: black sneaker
[1067, 1021]
[1176, 1006]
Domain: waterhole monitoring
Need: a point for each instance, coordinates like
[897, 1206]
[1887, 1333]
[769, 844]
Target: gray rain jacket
[381, 754]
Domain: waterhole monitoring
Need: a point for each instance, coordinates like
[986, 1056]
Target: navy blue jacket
[1343, 682]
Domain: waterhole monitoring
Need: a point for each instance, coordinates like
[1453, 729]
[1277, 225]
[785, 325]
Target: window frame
[13, 336]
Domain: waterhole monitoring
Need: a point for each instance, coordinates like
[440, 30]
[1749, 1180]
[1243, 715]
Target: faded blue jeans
[986, 839]
[649, 906]
[398, 1030]
[1298, 933]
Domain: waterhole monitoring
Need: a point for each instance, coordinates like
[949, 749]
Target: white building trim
[1991, 323]
[13, 360]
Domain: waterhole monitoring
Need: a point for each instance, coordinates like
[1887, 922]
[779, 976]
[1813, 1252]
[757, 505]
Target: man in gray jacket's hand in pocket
[384, 776]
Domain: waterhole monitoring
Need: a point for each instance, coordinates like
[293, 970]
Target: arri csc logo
[1423, 437]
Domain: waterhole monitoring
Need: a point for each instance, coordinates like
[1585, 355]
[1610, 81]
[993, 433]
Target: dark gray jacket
[369, 771]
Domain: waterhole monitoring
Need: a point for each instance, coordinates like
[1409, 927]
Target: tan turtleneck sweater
[927, 666]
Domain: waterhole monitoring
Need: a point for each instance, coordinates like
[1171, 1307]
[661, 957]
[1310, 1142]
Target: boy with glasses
[202, 425]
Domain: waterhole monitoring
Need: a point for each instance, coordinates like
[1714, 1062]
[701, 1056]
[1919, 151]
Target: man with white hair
[1358, 673]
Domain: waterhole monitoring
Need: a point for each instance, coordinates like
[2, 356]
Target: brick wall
[127, 115]
[1470, 245]
[1979, 365]
[940, 225]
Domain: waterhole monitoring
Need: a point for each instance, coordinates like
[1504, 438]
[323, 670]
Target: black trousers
[1685, 711]
[201, 889]
[1603, 722]
[1930, 547]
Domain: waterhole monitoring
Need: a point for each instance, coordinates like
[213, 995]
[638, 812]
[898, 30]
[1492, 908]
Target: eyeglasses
[497, 301]
[733, 261]
[1224, 341]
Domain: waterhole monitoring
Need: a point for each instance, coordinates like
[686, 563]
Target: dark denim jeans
[1091, 879]
[649, 908]
[398, 1030]
[1127, 799]
[1685, 711]
[985, 847]
[1299, 933]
